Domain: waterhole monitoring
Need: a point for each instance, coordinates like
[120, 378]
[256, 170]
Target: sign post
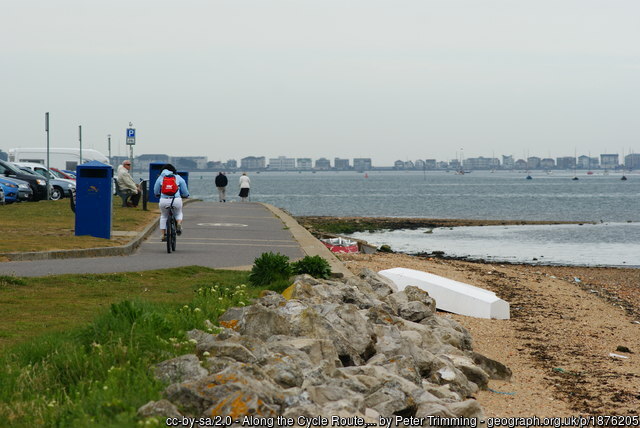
[131, 141]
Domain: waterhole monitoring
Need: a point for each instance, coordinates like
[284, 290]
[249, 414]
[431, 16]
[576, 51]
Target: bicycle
[172, 228]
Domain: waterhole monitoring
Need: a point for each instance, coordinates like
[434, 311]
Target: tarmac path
[216, 235]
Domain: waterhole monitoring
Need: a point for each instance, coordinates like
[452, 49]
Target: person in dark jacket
[221, 184]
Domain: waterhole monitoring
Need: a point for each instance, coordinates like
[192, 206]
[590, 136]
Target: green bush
[315, 266]
[269, 268]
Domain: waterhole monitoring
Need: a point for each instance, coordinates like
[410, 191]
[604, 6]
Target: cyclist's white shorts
[164, 205]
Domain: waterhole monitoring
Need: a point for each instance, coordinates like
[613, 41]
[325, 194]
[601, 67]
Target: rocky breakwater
[343, 352]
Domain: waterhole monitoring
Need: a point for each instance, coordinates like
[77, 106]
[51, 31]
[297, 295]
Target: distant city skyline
[601, 161]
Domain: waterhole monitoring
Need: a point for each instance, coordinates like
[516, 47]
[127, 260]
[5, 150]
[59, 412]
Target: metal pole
[46, 128]
[80, 137]
[109, 139]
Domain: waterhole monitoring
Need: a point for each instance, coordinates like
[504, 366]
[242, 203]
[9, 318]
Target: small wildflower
[105, 387]
[193, 341]
[197, 310]
[206, 354]
[173, 339]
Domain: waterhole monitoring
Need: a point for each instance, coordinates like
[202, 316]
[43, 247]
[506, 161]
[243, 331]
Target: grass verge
[50, 225]
[90, 364]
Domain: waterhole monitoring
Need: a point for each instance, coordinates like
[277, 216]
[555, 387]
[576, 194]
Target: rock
[180, 369]
[496, 370]
[162, 408]
[381, 286]
[354, 348]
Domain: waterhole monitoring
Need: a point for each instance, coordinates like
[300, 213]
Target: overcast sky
[324, 78]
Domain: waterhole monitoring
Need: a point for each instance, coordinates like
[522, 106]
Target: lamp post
[109, 147]
[46, 128]
[80, 138]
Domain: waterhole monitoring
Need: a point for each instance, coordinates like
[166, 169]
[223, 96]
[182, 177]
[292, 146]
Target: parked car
[15, 190]
[59, 173]
[71, 173]
[60, 187]
[38, 184]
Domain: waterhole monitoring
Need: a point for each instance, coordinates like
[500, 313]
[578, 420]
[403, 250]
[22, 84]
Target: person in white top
[245, 184]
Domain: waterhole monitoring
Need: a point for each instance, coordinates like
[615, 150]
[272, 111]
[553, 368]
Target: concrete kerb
[309, 243]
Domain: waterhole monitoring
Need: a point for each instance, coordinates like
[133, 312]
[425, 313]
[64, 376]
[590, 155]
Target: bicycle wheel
[174, 231]
[169, 233]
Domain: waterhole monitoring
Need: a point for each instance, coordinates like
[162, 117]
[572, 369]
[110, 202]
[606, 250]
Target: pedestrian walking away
[126, 184]
[245, 184]
[170, 187]
[221, 184]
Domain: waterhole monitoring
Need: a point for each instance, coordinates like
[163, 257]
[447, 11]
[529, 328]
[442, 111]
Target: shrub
[385, 249]
[269, 268]
[315, 266]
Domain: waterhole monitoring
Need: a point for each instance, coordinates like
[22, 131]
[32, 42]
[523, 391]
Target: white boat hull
[452, 296]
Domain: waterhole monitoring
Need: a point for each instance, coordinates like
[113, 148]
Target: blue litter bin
[155, 168]
[94, 193]
[185, 175]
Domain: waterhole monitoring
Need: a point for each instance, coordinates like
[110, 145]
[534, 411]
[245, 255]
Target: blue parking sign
[131, 133]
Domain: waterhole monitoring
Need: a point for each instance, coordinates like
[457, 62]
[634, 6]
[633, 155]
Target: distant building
[252, 163]
[431, 164]
[420, 164]
[632, 161]
[507, 162]
[566, 162]
[190, 162]
[144, 160]
[215, 165]
[304, 163]
[586, 162]
[533, 162]
[520, 164]
[323, 164]
[282, 163]
[478, 163]
[341, 164]
[231, 164]
[362, 164]
[409, 165]
[547, 163]
[398, 164]
[454, 164]
[609, 160]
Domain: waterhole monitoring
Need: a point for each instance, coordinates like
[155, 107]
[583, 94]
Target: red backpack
[169, 185]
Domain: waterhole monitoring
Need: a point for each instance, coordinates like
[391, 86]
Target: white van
[58, 158]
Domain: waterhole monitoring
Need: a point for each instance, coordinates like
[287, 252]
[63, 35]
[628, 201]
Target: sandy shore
[565, 322]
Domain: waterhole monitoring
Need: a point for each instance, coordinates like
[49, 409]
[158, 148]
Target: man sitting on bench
[127, 185]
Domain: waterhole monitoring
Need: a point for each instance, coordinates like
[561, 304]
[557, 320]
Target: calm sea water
[605, 199]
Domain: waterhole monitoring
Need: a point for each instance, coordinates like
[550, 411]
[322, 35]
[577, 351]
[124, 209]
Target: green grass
[49, 225]
[84, 344]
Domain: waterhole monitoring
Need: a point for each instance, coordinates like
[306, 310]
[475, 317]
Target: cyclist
[165, 200]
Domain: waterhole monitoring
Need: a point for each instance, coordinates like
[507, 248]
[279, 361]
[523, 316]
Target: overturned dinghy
[451, 296]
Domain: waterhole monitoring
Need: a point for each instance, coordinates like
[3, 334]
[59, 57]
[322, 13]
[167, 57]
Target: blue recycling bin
[155, 168]
[94, 205]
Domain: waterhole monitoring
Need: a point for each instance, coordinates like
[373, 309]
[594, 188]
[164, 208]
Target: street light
[109, 146]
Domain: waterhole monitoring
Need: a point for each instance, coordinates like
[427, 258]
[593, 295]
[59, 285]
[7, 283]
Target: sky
[389, 80]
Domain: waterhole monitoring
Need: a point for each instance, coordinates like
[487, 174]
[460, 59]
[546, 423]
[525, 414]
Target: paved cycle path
[216, 235]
